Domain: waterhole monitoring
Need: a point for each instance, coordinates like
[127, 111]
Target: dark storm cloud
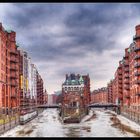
[27, 14]
[96, 26]
[91, 27]
[38, 14]
[98, 15]
[65, 38]
[45, 51]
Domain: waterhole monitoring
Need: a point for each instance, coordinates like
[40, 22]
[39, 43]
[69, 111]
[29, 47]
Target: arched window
[69, 88]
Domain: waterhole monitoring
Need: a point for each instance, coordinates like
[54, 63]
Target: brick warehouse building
[23, 88]
[28, 83]
[135, 89]
[75, 93]
[9, 72]
[125, 87]
[87, 94]
[118, 96]
[40, 92]
[100, 96]
[126, 81]
[18, 82]
[45, 97]
[110, 91]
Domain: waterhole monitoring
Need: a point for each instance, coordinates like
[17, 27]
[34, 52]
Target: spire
[81, 80]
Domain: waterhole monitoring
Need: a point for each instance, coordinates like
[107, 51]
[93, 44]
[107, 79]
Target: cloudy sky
[73, 38]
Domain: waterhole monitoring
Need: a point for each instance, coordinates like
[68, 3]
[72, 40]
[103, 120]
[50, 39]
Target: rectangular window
[74, 104]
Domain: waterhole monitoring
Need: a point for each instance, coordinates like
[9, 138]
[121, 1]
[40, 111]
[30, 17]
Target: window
[2, 76]
[2, 66]
[6, 53]
[74, 104]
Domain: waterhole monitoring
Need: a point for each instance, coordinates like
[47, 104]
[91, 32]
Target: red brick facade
[128, 75]
[9, 71]
[15, 77]
[110, 91]
[78, 92]
[40, 92]
[100, 96]
[124, 89]
[45, 97]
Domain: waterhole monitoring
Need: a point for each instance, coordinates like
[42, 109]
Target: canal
[99, 123]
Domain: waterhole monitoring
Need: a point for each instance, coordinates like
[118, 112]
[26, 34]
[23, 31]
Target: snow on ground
[102, 126]
[87, 116]
[50, 127]
[128, 122]
[47, 124]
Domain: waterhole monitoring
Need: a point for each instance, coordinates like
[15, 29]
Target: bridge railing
[48, 106]
[102, 105]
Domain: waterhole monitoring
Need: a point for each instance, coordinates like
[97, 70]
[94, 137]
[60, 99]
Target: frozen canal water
[48, 124]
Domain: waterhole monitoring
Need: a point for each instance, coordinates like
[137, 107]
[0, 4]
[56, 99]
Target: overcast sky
[73, 38]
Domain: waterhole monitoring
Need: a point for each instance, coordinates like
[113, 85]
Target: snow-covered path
[47, 124]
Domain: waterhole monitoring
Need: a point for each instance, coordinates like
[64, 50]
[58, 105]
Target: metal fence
[8, 122]
[131, 114]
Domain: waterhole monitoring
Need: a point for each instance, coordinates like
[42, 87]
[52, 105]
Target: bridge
[96, 105]
[49, 106]
[102, 105]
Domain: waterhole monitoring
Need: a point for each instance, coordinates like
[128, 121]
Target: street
[48, 124]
